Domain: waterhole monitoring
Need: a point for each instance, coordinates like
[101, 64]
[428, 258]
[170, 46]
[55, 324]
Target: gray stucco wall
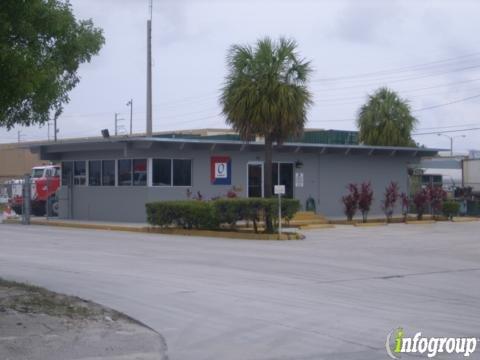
[337, 171]
[325, 179]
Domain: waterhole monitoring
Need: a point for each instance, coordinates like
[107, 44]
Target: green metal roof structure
[335, 137]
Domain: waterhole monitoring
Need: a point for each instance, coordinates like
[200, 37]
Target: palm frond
[266, 90]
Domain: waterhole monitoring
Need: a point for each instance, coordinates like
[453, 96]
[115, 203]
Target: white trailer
[471, 174]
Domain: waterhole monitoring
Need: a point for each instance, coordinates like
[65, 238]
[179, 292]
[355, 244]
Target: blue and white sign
[221, 170]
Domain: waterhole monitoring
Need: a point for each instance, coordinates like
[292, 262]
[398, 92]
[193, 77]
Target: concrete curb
[465, 219]
[317, 226]
[420, 222]
[382, 220]
[167, 231]
[373, 224]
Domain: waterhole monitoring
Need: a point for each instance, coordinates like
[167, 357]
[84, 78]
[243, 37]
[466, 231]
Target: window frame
[131, 172]
[172, 173]
[64, 174]
[114, 173]
[191, 174]
[101, 173]
[117, 181]
[80, 176]
[146, 172]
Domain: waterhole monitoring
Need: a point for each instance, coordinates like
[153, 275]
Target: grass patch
[30, 299]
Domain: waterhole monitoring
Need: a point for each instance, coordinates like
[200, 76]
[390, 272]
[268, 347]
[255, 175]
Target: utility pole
[55, 130]
[130, 103]
[20, 136]
[48, 130]
[149, 72]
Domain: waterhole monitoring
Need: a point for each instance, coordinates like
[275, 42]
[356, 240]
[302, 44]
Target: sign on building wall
[299, 179]
[221, 170]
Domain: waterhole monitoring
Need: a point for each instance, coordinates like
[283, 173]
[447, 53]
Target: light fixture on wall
[298, 164]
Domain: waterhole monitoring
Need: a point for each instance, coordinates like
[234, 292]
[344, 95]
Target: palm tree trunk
[268, 168]
[268, 180]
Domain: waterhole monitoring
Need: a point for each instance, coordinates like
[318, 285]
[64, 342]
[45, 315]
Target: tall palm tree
[386, 120]
[266, 94]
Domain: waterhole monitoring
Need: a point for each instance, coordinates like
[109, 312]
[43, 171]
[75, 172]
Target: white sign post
[279, 190]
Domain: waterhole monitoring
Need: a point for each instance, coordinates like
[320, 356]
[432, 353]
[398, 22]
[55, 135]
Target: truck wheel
[55, 208]
[38, 208]
[17, 209]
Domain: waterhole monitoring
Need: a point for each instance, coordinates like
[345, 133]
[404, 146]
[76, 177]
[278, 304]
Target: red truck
[45, 181]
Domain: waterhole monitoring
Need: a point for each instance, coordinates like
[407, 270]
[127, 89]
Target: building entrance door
[255, 179]
[282, 174]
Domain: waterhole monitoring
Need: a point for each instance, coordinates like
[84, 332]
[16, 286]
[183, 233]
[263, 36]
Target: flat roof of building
[212, 143]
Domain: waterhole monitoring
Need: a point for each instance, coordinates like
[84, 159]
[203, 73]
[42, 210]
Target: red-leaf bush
[231, 194]
[390, 200]
[421, 200]
[436, 196]
[365, 199]
[350, 201]
[405, 203]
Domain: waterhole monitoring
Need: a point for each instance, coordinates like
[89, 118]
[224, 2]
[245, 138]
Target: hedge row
[187, 214]
[210, 215]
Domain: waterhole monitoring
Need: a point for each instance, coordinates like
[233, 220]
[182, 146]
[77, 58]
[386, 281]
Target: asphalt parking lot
[335, 295]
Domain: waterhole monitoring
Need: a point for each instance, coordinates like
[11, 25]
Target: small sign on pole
[279, 190]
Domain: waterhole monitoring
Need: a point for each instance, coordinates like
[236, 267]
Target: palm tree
[386, 120]
[266, 95]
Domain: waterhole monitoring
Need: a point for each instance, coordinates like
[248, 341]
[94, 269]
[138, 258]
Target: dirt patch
[39, 324]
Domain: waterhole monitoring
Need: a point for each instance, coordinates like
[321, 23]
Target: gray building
[111, 179]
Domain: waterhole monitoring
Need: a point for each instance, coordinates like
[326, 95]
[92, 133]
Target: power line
[401, 91]
[449, 103]
[333, 104]
[376, 83]
[417, 110]
[448, 127]
[400, 69]
[447, 131]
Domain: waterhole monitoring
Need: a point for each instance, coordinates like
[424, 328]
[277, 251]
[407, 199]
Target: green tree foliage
[266, 94]
[386, 120]
[41, 48]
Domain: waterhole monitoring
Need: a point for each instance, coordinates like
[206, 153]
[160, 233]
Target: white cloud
[341, 38]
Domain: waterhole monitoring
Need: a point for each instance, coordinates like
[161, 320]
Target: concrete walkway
[335, 295]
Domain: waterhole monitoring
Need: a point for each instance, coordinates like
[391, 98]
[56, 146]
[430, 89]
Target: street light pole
[451, 140]
[130, 103]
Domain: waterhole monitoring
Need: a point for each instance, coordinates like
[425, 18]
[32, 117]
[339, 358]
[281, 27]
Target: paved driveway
[335, 295]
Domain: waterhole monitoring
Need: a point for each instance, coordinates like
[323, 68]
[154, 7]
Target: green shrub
[230, 211]
[450, 209]
[186, 214]
[196, 214]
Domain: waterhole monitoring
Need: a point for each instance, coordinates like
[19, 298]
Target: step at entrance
[307, 218]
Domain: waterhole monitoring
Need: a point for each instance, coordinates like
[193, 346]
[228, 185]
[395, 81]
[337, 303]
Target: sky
[427, 51]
